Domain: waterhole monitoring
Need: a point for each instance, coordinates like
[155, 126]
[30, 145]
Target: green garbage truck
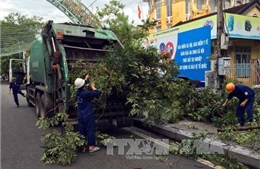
[52, 57]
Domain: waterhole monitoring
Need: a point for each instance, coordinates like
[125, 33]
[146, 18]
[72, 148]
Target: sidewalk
[187, 129]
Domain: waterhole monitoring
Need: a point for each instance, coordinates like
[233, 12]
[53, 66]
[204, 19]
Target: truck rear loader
[52, 57]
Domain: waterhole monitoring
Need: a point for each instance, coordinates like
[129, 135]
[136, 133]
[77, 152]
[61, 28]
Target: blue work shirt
[84, 99]
[15, 87]
[242, 92]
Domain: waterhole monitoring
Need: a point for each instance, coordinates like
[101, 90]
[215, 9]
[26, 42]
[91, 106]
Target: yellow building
[242, 25]
[170, 12]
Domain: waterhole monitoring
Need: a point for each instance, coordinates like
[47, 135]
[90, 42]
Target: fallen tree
[242, 128]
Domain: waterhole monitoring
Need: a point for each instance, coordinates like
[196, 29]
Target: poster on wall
[193, 48]
[189, 49]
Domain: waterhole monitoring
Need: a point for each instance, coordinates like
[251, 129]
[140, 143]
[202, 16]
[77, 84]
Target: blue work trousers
[241, 111]
[86, 127]
[15, 94]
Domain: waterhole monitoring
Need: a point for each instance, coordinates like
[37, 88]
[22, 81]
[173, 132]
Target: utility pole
[220, 31]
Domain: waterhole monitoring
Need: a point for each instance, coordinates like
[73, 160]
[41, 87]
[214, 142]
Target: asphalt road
[21, 145]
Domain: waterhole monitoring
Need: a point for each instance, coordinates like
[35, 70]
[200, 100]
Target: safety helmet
[230, 87]
[79, 83]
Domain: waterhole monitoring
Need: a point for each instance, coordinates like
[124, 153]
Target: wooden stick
[242, 128]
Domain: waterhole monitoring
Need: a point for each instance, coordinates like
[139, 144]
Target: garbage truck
[52, 57]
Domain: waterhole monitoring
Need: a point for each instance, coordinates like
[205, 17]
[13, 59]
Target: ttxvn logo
[138, 148]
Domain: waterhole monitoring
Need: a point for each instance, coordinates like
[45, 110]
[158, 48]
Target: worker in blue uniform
[86, 119]
[246, 97]
[15, 87]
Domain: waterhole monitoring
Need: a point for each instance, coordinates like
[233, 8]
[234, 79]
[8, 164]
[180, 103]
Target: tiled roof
[242, 8]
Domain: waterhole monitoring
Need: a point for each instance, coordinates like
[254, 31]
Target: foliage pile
[190, 148]
[250, 138]
[206, 106]
[134, 73]
[59, 147]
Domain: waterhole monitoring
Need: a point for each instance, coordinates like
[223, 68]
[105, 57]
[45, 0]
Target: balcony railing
[247, 73]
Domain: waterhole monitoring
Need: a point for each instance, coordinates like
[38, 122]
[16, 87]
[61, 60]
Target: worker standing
[15, 87]
[246, 97]
[86, 119]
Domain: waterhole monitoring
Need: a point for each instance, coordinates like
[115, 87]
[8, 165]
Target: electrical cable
[92, 3]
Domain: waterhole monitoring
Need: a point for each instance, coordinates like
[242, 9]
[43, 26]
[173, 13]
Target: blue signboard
[189, 49]
[193, 48]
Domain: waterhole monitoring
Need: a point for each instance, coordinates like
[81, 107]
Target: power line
[92, 3]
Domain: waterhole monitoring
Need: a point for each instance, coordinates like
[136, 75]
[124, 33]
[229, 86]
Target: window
[242, 65]
[158, 9]
[188, 10]
[151, 4]
[238, 3]
[227, 4]
[213, 5]
[169, 7]
[255, 15]
[199, 4]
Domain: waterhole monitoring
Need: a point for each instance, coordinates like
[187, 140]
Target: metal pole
[220, 27]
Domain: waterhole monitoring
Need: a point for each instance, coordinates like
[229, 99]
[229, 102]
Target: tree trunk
[243, 128]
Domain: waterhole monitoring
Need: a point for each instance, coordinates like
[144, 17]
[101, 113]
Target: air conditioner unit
[211, 79]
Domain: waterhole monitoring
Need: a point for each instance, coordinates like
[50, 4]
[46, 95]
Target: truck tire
[43, 108]
[38, 104]
[28, 101]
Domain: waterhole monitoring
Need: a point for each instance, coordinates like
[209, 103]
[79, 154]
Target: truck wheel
[38, 104]
[43, 107]
[28, 101]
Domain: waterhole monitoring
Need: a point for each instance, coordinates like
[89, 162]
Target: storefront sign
[240, 26]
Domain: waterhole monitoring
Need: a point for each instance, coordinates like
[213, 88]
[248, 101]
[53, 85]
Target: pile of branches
[142, 78]
[139, 76]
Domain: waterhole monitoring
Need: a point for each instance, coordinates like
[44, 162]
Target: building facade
[167, 13]
[242, 26]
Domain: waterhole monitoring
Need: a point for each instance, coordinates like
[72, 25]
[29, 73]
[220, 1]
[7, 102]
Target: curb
[241, 154]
